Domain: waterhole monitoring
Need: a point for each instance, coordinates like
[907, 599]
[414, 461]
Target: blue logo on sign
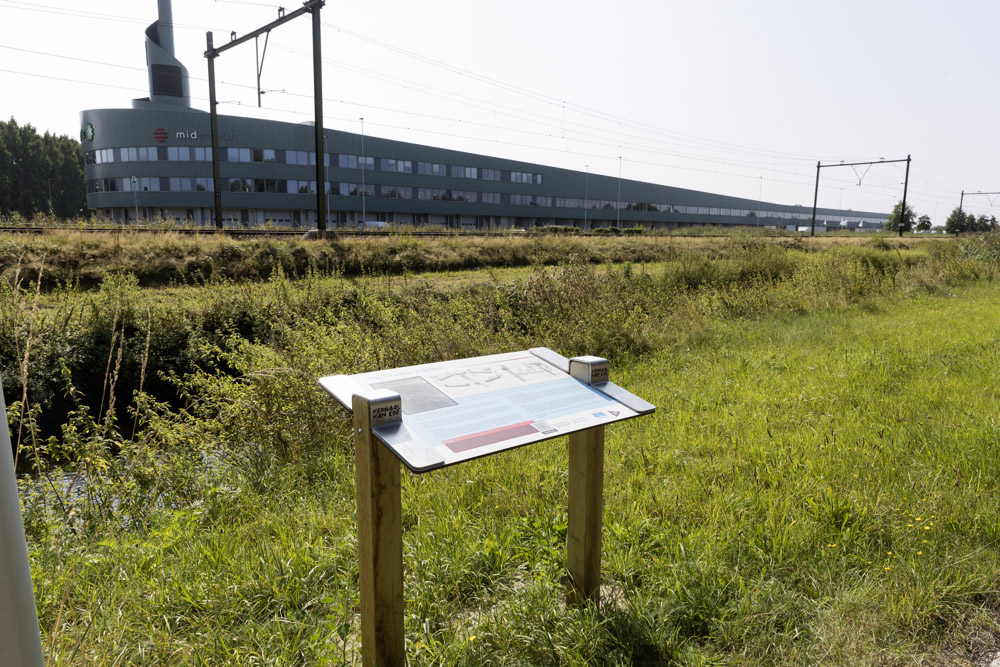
[600, 415]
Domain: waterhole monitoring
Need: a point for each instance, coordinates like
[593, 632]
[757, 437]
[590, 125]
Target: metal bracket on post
[380, 531]
[586, 494]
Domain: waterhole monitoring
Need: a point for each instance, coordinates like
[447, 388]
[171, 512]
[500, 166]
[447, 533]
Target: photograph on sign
[458, 410]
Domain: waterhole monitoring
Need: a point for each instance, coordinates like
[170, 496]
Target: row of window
[306, 158]
[152, 184]
[149, 154]
[289, 186]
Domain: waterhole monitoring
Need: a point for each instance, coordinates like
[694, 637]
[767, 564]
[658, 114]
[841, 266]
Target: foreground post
[380, 533]
[586, 494]
[20, 640]
[586, 505]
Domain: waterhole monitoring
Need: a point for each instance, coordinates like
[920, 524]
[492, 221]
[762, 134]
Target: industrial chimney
[168, 78]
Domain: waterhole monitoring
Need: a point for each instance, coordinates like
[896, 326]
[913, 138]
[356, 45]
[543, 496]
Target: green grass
[817, 486]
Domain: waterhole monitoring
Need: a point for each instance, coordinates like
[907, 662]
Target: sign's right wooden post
[586, 495]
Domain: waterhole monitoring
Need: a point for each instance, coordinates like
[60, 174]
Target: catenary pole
[812, 227]
[906, 184]
[211, 53]
[213, 104]
[819, 166]
[20, 640]
[318, 98]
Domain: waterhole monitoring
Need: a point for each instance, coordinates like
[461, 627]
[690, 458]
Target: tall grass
[809, 402]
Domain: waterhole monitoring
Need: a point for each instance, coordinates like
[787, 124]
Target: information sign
[436, 415]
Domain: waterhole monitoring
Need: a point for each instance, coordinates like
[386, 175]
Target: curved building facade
[155, 160]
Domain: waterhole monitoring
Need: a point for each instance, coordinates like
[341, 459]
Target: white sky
[728, 96]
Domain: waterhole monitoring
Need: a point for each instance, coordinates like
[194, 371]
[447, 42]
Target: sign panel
[435, 415]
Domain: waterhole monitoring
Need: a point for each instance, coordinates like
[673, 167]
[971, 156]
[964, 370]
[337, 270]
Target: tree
[893, 223]
[40, 173]
[956, 222]
[923, 223]
[984, 223]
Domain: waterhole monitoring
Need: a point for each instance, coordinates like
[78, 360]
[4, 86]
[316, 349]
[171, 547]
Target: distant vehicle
[375, 224]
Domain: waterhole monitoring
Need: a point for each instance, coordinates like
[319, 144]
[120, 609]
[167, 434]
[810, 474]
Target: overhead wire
[700, 143]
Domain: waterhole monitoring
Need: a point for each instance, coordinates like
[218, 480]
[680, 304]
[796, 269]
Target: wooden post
[380, 541]
[586, 506]
[586, 494]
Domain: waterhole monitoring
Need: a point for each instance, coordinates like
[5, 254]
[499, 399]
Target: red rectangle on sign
[491, 437]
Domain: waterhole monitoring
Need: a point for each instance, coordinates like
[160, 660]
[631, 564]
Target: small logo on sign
[600, 415]
[160, 135]
[385, 413]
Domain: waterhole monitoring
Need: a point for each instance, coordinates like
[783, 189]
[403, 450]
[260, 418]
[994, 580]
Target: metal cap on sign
[590, 370]
[386, 407]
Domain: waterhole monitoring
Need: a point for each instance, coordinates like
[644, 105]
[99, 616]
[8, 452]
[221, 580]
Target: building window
[491, 174]
[490, 197]
[432, 193]
[463, 172]
[431, 169]
[399, 166]
[261, 155]
[459, 195]
[354, 190]
[396, 192]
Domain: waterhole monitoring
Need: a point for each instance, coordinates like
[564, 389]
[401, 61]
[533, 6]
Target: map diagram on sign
[492, 377]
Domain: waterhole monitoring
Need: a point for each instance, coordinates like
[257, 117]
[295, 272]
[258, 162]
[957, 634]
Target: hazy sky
[735, 97]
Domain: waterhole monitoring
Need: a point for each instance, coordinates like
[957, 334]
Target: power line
[710, 144]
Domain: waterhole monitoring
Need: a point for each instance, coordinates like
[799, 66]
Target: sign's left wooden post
[380, 534]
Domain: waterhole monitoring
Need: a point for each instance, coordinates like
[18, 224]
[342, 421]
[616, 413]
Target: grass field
[817, 485]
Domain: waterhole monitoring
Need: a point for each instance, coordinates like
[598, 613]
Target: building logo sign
[194, 134]
[161, 135]
[87, 133]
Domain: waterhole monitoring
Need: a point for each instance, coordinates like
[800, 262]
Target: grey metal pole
[327, 150]
[618, 207]
[318, 97]
[214, 122]
[812, 229]
[364, 214]
[135, 197]
[906, 184]
[20, 639]
[586, 196]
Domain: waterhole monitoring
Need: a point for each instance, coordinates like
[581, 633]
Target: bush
[555, 229]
